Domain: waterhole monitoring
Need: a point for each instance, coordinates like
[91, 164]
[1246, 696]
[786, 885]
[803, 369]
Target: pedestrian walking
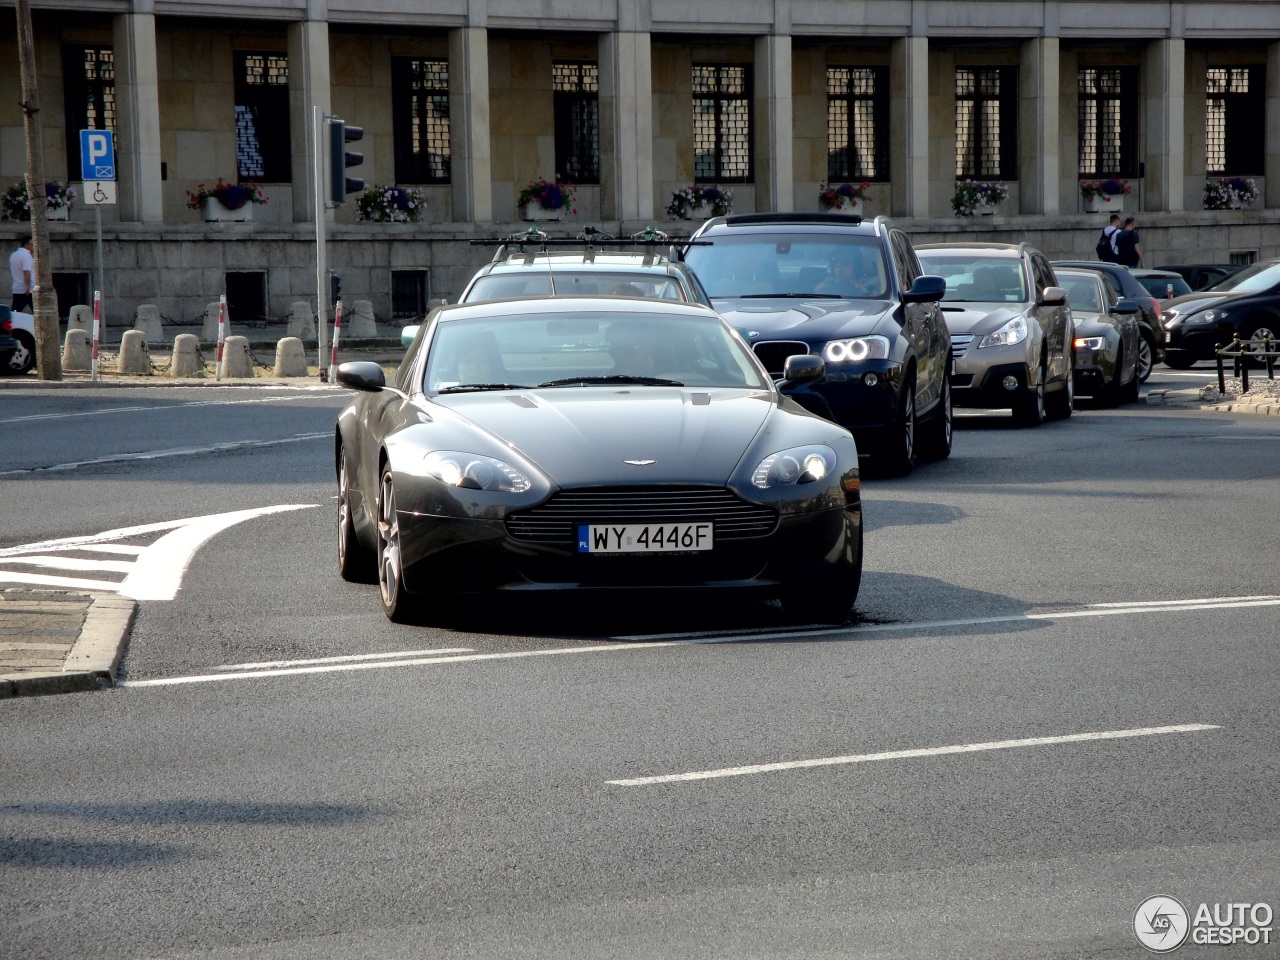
[23, 267]
[1106, 246]
[1129, 245]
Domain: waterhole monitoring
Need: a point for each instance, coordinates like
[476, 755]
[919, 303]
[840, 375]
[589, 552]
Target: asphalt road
[286, 774]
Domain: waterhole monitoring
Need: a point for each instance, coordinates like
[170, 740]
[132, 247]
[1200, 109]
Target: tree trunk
[48, 355]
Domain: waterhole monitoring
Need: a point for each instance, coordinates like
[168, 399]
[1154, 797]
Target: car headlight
[1015, 331]
[1090, 343]
[474, 472]
[797, 465]
[1170, 318]
[856, 349]
[1204, 319]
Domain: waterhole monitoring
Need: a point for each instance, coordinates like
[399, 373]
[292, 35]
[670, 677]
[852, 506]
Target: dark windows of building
[262, 117]
[246, 296]
[409, 292]
[575, 87]
[721, 123]
[71, 288]
[1108, 121]
[420, 107]
[89, 94]
[986, 123]
[1234, 122]
[857, 123]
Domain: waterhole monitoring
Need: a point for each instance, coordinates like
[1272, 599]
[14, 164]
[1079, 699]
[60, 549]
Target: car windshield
[824, 265]
[556, 348]
[1165, 287]
[976, 279]
[1082, 292]
[535, 281]
[1256, 278]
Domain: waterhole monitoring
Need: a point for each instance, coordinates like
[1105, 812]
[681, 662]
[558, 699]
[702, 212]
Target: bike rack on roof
[533, 240]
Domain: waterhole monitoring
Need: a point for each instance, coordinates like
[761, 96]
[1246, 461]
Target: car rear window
[534, 283]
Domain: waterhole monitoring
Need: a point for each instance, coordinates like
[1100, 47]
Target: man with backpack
[1106, 247]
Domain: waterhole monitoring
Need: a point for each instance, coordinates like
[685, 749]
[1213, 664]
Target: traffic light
[340, 134]
[335, 287]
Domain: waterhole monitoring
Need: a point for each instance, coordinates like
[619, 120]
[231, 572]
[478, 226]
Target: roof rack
[533, 240]
[800, 216]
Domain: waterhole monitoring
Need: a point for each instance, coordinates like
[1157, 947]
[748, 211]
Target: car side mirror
[1126, 308]
[926, 289]
[361, 375]
[1053, 297]
[802, 368]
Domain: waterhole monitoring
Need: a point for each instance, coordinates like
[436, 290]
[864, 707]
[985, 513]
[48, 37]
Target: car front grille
[555, 522]
[959, 344]
[773, 353]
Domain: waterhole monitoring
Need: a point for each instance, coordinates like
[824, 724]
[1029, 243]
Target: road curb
[93, 661]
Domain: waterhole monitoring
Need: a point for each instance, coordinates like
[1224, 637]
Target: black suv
[1125, 284]
[852, 292]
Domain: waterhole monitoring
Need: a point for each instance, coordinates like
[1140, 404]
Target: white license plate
[644, 537]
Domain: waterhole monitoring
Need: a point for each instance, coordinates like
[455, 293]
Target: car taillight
[6, 325]
[1155, 305]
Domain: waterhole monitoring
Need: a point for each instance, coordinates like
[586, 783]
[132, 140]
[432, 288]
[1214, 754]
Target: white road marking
[1182, 603]
[72, 563]
[165, 454]
[268, 664]
[167, 406]
[911, 754]
[68, 583]
[112, 548]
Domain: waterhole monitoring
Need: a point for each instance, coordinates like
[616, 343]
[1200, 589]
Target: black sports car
[558, 443]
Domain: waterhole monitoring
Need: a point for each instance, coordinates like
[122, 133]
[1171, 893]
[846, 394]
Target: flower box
[543, 200]
[843, 197]
[212, 210]
[1104, 196]
[700, 203]
[59, 199]
[537, 212]
[57, 213]
[1106, 203]
[978, 197]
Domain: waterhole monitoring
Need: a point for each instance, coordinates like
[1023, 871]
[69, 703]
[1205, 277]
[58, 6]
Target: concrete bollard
[291, 358]
[135, 359]
[209, 332]
[186, 356]
[81, 319]
[302, 322]
[236, 359]
[148, 321]
[359, 322]
[77, 354]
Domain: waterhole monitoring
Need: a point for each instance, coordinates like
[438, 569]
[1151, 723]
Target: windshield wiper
[613, 378]
[468, 387]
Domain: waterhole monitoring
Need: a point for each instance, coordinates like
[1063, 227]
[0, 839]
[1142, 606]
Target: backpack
[1106, 253]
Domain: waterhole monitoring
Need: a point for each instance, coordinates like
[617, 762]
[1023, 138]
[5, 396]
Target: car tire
[1179, 359]
[355, 563]
[1029, 408]
[397, 604]
[1060, 404]
[936, 433]
[24, 358]
[1147, 354]
[1131, 391]
[1256, 331]
[899, 455]
[830, 603]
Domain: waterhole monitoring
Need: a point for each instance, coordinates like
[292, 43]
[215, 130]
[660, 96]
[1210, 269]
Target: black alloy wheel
[936, 432]
[1028, 409]
[355, 563]
[1131, 391]
[899, 454]
[1061, 404]
[1146, 357]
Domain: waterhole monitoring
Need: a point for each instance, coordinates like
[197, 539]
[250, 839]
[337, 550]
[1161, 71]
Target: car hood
[1191, 302]
[804, 319]
[1090, 324]
[586, 435]
[979, 318]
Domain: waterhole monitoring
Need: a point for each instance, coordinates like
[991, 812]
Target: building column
[469, 125]
[1165, 162]
[137, 89]
[909, 118]
[1271, 111]
[775, 161]
[308, 87]
[626, 126]
[1038, 141]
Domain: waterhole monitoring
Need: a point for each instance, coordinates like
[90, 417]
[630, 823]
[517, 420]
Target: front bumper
[1198, 341]
[978, 379]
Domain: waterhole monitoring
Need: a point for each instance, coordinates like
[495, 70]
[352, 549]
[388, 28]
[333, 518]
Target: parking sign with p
[97, 155]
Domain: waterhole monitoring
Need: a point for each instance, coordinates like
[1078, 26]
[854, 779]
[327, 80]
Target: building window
[262, 117]
[857, 123]
[409, 293]
[420, 104]
[1234, 122]
[246, 296]
[1108, 121]
[89, 94]
[986, 123]
[721, 124]
[576, 91]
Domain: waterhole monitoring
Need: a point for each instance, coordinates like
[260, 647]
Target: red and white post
[337, 326]
[97, 333]
[222, 336]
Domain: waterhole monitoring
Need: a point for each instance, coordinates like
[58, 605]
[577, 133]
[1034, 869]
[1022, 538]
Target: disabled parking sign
[97, 155]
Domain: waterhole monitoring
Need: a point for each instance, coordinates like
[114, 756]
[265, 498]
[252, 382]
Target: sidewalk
[58, 641]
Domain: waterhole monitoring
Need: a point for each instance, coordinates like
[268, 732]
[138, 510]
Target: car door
[923, 321]
[1055, 320]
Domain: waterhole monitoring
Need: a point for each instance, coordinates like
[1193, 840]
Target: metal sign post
[98, 171]
[322, 292]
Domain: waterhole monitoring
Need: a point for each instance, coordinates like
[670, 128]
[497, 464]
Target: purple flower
[234, 197]
[845, 190]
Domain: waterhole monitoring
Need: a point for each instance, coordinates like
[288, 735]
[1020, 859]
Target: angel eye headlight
[856, 350]
[474, 472]
[797, 465]
[1090, 343]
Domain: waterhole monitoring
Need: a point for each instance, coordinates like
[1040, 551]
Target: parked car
[1010, 325]
[849, 291]
[592, 443]
[1161, 284]
[1201, 276]
[1107, 338]
[1124, 284]
[1244, 305]
[17, 342]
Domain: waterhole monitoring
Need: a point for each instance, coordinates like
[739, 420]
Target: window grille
[409, 292]
[263, 150]
[89, 96]
[1108, 122]
[420, 105]
[857, 123]
[575, 88]
[721, 124]
[1234, 122]
[986, 123]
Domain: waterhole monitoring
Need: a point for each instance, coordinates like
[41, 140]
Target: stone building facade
[469, 100]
